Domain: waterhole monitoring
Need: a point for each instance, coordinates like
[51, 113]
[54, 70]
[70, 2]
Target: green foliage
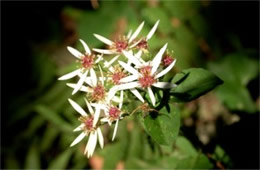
[192, 83]
[164, 126]
[236, 70]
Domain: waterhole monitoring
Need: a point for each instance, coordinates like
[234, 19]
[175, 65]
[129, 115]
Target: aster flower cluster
[105, 83]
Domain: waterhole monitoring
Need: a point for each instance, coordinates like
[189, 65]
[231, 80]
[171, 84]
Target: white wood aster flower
[145, 75]
[88, 129]
[87, 60]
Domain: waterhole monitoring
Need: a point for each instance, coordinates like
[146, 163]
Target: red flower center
[167, 60]
[116, 77]
[121, 45]
[88, 61]
[89, 123]
[114, 112]
[142, 44]
[146, 80]
[98, 93]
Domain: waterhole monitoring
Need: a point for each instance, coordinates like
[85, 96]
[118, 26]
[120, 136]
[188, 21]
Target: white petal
[166, 70]
[79, 128]
[151, 95]
[96, 115]
[80, 82]
[164, 85]
[83, 88]
[70, 75]
[115, 99]
[100, 138]
[115, 129]
[121, 99]
[138, 54]
[87, 149]
[135, 34]
[107, 64]
[102, 75]
[129, 68]
[128, 79]
[78, 139]
[112, 92]
[100, 57]
[93, 144]
[137, 94]
[105, 119]
[135, 44]
[103, 51]
[93, 77]
[150, 34]
[75, 52]
[77, 108]
[104, 40]
[157, 59]
[132, 58]
[85, 47]
[91, 111]
[129, 34]
[128, 85]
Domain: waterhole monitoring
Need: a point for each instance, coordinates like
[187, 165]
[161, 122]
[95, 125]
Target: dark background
[27, 23]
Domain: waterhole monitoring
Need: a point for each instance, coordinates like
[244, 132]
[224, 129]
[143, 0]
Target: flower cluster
[105, 83]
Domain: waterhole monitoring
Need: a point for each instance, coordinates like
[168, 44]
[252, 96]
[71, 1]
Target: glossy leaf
[192, 83]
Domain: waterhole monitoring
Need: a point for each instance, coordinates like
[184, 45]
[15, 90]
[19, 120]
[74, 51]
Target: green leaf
[53, 117]
[163, 127]
[192, 83]
[33, 158]
[61, 161]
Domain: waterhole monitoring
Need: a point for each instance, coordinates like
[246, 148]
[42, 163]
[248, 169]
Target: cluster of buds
[106, 82]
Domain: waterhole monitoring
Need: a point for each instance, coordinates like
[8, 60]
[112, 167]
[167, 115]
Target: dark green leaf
[192, 83]
[61, 161]
[163, 127]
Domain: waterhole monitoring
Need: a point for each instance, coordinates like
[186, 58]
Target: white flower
[87, 60]
[88, 129]
[121, 44]
[114, 113]
[144, 75]
[97, 93]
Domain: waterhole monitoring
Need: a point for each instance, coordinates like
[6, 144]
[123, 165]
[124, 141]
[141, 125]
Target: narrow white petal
[166, 70]
[78, 139]
[115, 129]
[135, 34]
[103, 51]
[116, 99]
[102, 75]
[79, 128]
[100, 138]
[164, 85]
[93, 77]
[150, 34]
[77, 108]
[151, 95]
[121, 99]
[105, 119]
[131, 58]
[75, 52]
[107, 64]
[129, 34]
[137, 94]
[138, 54]
[112, 92]
[100, 57]
[157, 59]
[88, 144]
[129, 68]
[93, 143]
[104, 40]
[91, 111]
[70, 75]
[96, 115]
[85, 47]
[128, 79]
[135, 44]
[128, 85]
[83, 88]
[80, 82]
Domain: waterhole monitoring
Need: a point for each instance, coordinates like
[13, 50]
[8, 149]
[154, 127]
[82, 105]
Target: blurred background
[218, 130]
